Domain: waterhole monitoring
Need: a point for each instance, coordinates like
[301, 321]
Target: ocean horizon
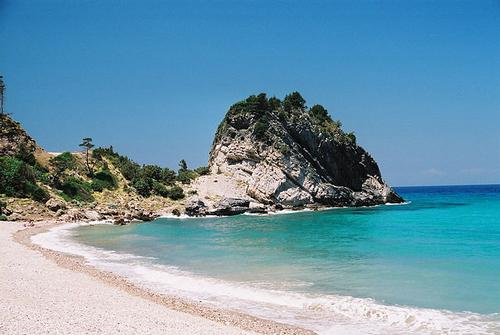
[429, 266]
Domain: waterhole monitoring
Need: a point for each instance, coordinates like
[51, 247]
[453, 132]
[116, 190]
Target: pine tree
[88, 145]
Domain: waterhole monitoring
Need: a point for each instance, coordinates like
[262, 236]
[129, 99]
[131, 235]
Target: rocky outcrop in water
[286, 155]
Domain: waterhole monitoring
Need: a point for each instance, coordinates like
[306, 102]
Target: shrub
[17, 179]
[274, 103]
[64, 161]
[77, 189]
[185, 176]
[143, 185]
[293, 101]
[14, 174]
[202, 170]
[37, 193]
[160, 189]
[3, 217]
[252, 104]
[351, 137]
[152, 171]
[167, 176]
[260, 129]
[319, 113]
[103, 179]
[128, 168]
[26, 155]
[176, 193]
[98, 185]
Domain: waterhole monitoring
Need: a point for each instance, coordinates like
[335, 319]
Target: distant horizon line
[444, 185]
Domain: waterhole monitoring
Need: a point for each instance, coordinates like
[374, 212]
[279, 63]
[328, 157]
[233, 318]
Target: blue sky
[417, 81]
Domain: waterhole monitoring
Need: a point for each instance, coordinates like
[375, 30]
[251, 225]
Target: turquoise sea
[431, 266]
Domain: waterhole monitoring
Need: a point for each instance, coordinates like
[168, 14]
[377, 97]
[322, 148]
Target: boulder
[196, 207]
[73, 214]
[92, 215]
[55, 204]
[144, 215]
[119, 221]
[230, 206]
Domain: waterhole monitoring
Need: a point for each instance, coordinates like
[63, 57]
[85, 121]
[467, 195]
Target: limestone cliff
[287, 155]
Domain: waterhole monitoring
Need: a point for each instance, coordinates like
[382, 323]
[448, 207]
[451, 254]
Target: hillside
[35, 184]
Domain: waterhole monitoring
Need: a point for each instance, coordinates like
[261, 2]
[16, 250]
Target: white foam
[398, 203]
[325, 314]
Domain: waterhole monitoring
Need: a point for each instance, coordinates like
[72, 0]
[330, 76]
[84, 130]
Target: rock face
[13, 138]
[224, 207]
[289, 156]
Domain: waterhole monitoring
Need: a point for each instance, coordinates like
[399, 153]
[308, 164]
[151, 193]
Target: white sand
[39, 297]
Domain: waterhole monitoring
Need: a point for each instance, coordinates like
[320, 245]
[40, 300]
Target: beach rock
[230, 206]
[72, 215]
[92, 215]
[15, 217]
[291, 159]
[257, 208]
[60, 212]
[195, 207]
[55, 204]
[120, 221]
[176, 212]
[144, 215]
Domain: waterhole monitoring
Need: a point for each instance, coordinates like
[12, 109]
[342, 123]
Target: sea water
[430, 266]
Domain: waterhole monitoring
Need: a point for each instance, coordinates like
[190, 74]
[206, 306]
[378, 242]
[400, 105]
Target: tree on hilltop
[293, 100]
[319, 113]
[88, 145]
[183, 165]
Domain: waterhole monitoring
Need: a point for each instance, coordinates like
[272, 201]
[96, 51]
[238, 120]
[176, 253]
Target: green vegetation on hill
[78, 177]
[17, 179]
[259, 111]
[150, 180]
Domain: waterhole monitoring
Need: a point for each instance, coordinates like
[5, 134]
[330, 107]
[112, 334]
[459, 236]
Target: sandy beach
[52, 293]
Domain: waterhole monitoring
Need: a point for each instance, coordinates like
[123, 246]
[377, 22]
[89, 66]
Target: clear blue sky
[418, 82]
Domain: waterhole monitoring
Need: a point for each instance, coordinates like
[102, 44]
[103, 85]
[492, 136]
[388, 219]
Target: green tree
[319, 113]
[274, 103]
[183, 165]
[185, 176]
[202, 170]
[168, 176]
[143, 185]
[17, 179]
[293, 101]
[152, 171]
[176, 193]
[88, 145]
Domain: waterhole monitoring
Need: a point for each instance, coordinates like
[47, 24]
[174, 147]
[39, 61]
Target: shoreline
[222, 316]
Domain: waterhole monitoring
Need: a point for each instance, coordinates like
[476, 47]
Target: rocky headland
[270, 154]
